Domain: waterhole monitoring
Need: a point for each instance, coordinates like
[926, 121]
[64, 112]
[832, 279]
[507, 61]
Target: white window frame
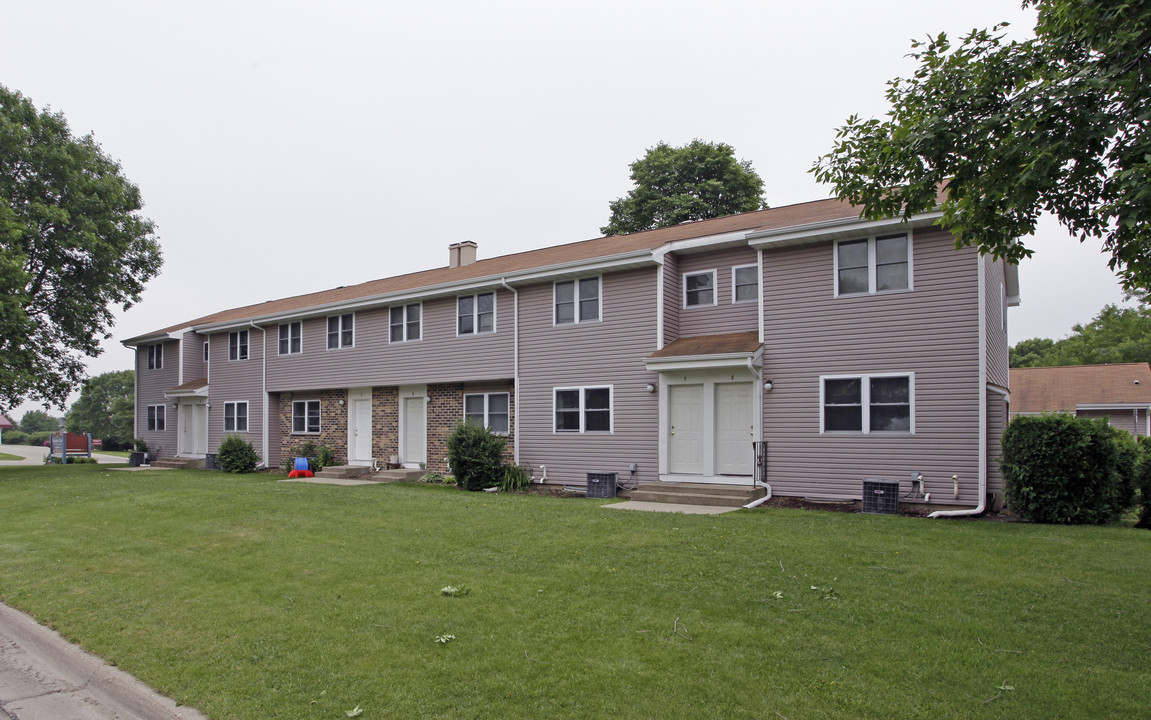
[234, 406]
[298, 325]
[714, 288]
[871, 265]
[475, 314]
[156, 356]
[406, 322]
[865, 403]
[583, 390]
[576, 315]
[487, 410]
[734, 285]
[157, 418]
[342, 321]
[305, 416]
[241, 348]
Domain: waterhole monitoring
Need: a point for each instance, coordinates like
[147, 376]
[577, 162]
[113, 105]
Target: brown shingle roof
[1053, 389]
[192, 385]
[782, 217]
[729, 344]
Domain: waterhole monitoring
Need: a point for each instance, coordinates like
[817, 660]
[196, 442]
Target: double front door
[711, 427]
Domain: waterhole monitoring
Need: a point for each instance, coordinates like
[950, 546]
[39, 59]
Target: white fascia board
[154, 338]
[623, 261]
[1112, 406]
[701, 362]
[701, 243]
[836, 229]
[198, 392]
[1011, 283]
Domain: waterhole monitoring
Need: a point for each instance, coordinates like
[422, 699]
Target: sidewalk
[44, 677]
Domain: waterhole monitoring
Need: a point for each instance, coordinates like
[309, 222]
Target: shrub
[15, 437]
[515, 478]
[327, 458]
[140, 445]
[1143, 483]
[55, 460]
[38, 438]
[1061, 469]
[475, 455]
[237, 455]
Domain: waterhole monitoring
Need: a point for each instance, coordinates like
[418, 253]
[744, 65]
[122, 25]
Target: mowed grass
[250, 598]
[9, 456]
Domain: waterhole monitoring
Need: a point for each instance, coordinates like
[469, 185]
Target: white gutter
[759, 376]
[982, 505]
[515, 364]
[819, 231]
[264, 394]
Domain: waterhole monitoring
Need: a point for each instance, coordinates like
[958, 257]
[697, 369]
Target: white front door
[415, 429]
[360, 421]
[734, 429]
[685, 441]
[194, 428]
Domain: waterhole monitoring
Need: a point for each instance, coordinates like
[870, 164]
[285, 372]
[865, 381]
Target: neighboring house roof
[1055, 389]
[5, 423]
[604, 248]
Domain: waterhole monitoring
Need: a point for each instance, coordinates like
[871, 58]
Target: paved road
[44, 677]
[34, 455]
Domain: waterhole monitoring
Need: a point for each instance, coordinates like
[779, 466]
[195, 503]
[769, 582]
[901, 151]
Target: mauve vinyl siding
[996, 424]
[671, 298]
[235, 381]
[192, 350]
[609, 352]
[997, 372]
[930, 331]
[1133, 421]
[439, 357]
[724, 316]
[150, 387]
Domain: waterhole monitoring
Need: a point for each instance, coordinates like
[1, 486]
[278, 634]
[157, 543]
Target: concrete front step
[401, 475]
[178, 463]
[344, 471]
[697, 494]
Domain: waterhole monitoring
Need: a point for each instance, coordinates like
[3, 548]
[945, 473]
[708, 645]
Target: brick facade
[333, 426]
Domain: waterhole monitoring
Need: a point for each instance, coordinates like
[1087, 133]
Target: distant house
[1120, 393]
[5, 424]
[855, 348]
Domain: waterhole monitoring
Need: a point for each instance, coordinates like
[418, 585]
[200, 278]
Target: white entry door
[361, 432]
[685, 429]
[734, 428]
[194, 428]
[415, 443]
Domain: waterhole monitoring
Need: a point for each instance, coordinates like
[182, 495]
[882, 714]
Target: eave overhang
[840, 229]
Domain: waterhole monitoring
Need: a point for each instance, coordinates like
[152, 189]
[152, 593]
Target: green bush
[1143, 483]
[55, 460]
[15, 437]
[475, 455]
[1061, 469]
[38, 438]
[140, 445]
[515, 478]
[237, 455]
[327, 457]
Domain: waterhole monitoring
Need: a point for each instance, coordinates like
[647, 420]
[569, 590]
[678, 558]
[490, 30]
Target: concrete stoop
[697, 494]
[401, 475]
[176, 463]
[343, 472]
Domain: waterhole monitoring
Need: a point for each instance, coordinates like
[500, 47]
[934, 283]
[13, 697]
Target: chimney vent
[461, 253]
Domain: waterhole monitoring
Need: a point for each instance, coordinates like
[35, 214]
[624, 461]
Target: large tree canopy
[698, 181]
[72, 247]
[105, 408]
[35, 421]
[1115, 335]
[1058, 123]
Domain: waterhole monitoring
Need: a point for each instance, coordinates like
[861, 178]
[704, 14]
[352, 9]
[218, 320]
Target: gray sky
[287, 147]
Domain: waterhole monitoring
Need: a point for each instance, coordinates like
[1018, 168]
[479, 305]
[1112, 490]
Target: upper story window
[156, 357]
[873, 265]
[583, 409]
[238, 345]
[577, 301]
[867, 404]
[341, 331]
[306, 417]
[156, 415]
[745, 283]
[476, 314]
[236, 416]
[405, 322]
[291, 338]
[699, 288]
[489, 410]
[205, 352]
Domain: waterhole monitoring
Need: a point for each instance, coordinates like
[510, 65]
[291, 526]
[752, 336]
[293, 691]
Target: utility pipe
[264, 359]
[516, 366]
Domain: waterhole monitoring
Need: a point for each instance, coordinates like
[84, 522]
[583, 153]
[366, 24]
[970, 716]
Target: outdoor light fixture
[768, 384]
[341, 402]
[649, 387]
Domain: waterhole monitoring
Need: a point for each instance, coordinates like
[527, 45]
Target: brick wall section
[385, 422]
[333, 426]
[445, 410]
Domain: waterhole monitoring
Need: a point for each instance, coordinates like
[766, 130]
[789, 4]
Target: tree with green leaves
[35, 421]
[73, 247]
[673, 185]
[1115, 335]
[105, 408]
[1011, 129]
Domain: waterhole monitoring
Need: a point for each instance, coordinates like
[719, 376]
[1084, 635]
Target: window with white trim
[238, 345]
[156, 357]
[490, 410]
[205, 352]
[744, 283]
[306, 417]
[699, 288]
[342, 331]
[873, 265]
[292, 338]
[405, 322]
[476, 314]
[156, 417]
[577, 301]
[867, 404]
[236, 416]
[583, 409]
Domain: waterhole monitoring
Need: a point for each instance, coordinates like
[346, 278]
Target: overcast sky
[287, 147]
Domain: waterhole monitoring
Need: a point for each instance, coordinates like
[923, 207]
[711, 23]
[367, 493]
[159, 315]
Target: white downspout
[759, 375]
[264, 394]
[759, 283]
[515, 363]
[982, 505]
[657, 256]
[135, 395]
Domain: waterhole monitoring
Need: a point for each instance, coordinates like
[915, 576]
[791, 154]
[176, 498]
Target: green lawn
[250, 598]
[9, 456]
